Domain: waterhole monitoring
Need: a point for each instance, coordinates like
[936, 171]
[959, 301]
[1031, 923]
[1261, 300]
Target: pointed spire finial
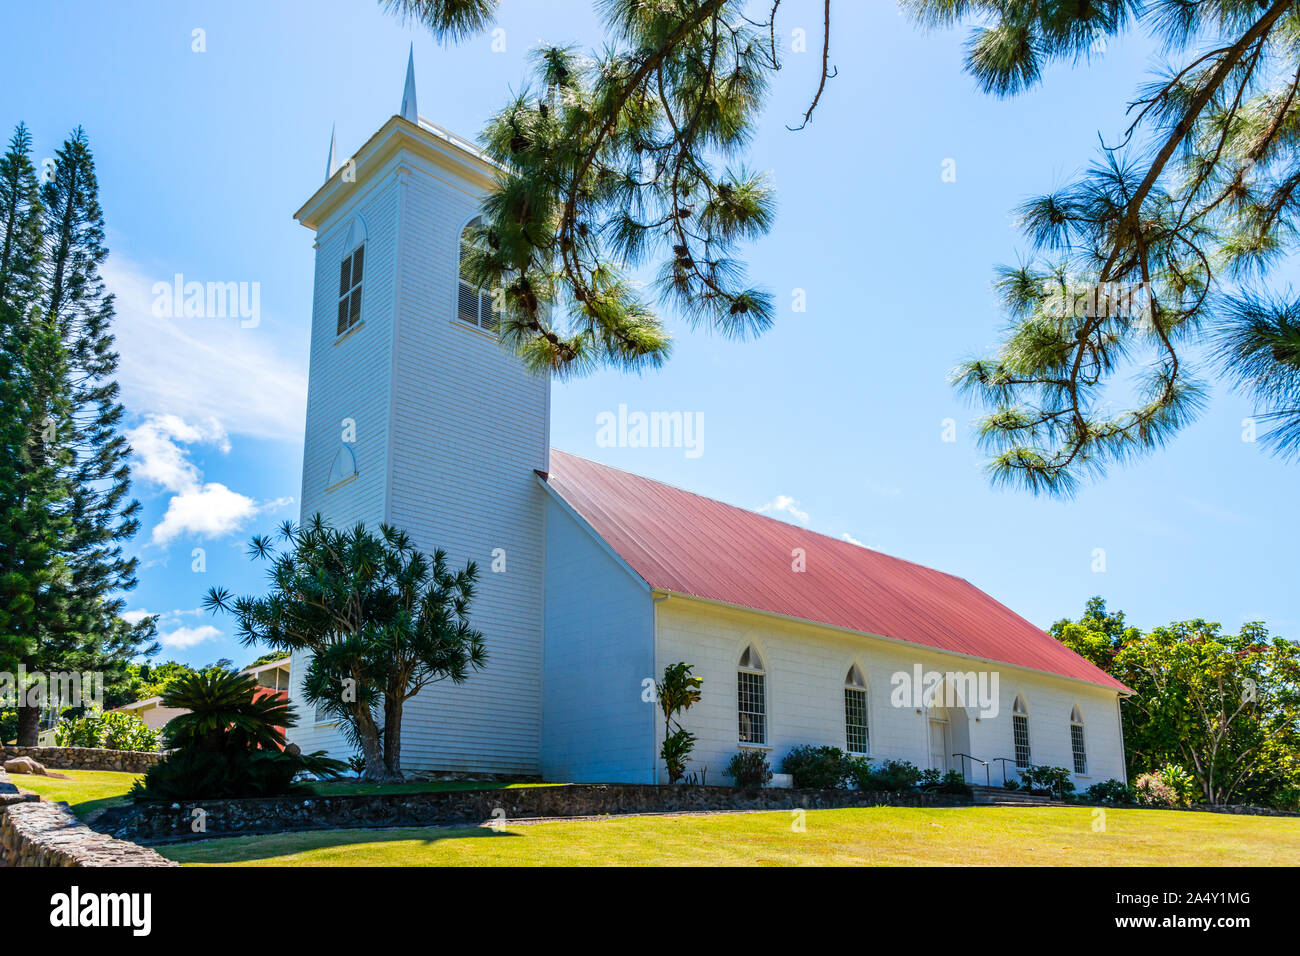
[409, 110]
[331, 161]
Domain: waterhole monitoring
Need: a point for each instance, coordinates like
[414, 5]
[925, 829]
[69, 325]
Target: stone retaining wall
[87, 758]
[47, 834]
[166, 822]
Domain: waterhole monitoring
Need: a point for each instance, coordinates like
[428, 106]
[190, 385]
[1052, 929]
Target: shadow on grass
[250, 848]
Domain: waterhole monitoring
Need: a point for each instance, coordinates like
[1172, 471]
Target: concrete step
[1018, 798]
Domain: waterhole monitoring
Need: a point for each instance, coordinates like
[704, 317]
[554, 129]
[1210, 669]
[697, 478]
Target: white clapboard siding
[599, 715]
[449, 431]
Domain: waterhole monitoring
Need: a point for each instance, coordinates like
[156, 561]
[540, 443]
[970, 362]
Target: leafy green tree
[630, 156]
[1098, 635]
[380, 620]
[1224, 706]
[1157, 242]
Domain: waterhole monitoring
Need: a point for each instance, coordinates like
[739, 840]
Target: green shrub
[857, 772]
[750, 769]
[895, 776]
[1052, 781]
[1109, 791]
[952, 783]
[114, 730]
[1182, 783]
[815, 768]
[1010, 783]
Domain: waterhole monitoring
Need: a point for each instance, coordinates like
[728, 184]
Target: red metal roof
[682, 542]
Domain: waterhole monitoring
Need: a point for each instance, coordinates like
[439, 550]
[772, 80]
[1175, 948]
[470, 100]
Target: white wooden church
[417, 416]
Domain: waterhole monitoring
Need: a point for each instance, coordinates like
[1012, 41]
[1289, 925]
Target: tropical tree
[1224, 706]
[676, 692]
[228, 743]
[1155, 247]
[1098, 635]
[379, 620]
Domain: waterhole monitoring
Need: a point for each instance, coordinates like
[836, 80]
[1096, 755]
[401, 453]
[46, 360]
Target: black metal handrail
[1004, 761]
[984, 763]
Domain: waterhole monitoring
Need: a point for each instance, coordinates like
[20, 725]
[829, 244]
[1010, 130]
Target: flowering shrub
[1150, 791]
[1170, 786]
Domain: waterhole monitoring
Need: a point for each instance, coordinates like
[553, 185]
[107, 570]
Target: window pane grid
[753, 708]
[1076, 745]
[1020, 730]
[350, 273]
[855, 720]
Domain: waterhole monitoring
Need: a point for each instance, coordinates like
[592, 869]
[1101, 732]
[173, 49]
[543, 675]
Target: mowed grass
[878, 836]
[87, 791]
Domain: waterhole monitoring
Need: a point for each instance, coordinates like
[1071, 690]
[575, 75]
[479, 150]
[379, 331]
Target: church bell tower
[417, 416]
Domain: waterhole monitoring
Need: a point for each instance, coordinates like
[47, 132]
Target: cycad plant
[229, 743]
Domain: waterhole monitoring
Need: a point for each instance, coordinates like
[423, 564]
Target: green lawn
[1046, 836]
[88, 791]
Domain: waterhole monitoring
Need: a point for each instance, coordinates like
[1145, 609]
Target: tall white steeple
[409, 110]
[332, 160]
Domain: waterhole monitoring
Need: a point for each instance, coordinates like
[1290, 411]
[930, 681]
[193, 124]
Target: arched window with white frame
[857, 733]
[751, 698]
[1078, 746]
[474, 305]
[1020, 732]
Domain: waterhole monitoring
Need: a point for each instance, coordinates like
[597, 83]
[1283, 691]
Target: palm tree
[224, 711]
[230, 743]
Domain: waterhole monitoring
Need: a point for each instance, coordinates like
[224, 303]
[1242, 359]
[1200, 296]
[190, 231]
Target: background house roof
[688, 544]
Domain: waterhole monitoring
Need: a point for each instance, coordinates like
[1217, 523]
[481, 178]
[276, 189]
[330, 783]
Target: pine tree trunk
[29, 726]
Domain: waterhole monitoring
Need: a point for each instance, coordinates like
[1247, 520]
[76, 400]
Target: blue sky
[837, 411]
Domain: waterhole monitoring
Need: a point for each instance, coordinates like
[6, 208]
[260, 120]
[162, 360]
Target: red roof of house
[681, 542]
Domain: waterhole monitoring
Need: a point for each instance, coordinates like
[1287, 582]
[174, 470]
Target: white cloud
[157, 457]
[785, 505]
[845, 536]
[208, 511]
[186, 637]
[201, 369]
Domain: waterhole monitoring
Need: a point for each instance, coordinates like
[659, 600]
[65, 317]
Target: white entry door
[939, 745]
